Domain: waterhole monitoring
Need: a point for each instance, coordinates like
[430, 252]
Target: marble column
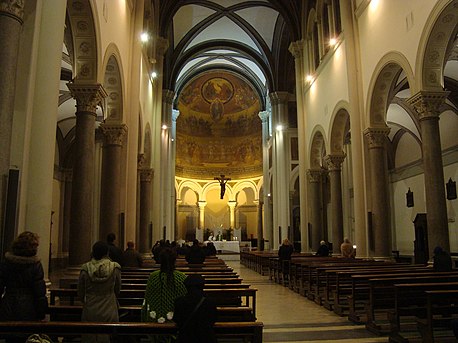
[259, 227]
[316, 221]
[427, 106]
[11, 20]
[334, 163]
[381, 229]
[110, 197]
[202, 205]
[87, 98]
[232, 204]
[268, 223]
[145, 238]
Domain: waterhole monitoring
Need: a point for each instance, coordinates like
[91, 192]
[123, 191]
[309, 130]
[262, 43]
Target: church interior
[250, 121]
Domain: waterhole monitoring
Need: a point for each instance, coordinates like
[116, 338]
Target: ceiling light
[144, 37]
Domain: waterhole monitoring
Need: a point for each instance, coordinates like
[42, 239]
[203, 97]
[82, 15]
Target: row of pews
[401, 300]
[235, 300]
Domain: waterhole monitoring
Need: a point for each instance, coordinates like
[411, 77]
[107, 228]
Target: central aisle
[290, 317]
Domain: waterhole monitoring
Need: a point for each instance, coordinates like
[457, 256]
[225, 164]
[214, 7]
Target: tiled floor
[291, 318]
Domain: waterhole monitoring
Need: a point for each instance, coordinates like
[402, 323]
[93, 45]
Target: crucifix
[222, 181]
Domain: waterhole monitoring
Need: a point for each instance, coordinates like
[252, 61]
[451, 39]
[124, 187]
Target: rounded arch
[293, 177]
[385, 75]
[113, 84]
[435, 44]
[84, 41]
[339, 127]
[215, 185]
[189, 184]
[238, 187]
[317, 148]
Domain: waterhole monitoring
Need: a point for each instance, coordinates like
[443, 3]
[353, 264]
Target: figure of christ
[222, 182]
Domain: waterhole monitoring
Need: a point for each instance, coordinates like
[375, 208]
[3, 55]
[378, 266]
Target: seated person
[323, 250]
[210, 249]
[195, 254]
[131, 257]
[442, 261]
[346, 249]
[286, 250]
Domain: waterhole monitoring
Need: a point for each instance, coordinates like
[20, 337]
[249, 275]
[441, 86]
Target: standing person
[131, 257]
[99, 285]
[195, 314]
[162, 288]
[115, 252]
[323, 250]
[286, 250]
[346, 249]
[22, 281]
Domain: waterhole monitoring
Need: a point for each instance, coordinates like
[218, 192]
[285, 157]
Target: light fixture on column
[451, 189]
[409, 198]
[144, 37]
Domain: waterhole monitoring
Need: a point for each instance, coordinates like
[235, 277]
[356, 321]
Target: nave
[290, 317]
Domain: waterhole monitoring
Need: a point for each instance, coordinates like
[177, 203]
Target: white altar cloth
[233, 246]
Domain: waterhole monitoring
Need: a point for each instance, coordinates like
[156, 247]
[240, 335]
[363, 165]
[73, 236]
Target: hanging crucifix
[222, 182]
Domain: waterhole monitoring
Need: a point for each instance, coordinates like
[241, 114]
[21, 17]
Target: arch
[238, 187]
[339, 126]
[113, 84]
[384, 78]
[215, 185]
[293, 177]
[84, 41]
[435, 44]
[317, 147]
[189, 184]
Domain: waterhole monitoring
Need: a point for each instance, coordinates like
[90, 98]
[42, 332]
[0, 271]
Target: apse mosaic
[218, 129]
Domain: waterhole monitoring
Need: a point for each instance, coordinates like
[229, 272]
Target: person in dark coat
[115, 252]
[442, 261]
[131, 257]
[22, 283]
[323, 250]
[286, 250]
[210, 249]
[195, 254]
[195, 314]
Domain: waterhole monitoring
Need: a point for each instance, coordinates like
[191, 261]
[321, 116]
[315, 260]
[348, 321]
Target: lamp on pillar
[409, 198]
[451, 189]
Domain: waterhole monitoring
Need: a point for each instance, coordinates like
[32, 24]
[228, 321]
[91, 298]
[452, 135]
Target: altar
[227, 246]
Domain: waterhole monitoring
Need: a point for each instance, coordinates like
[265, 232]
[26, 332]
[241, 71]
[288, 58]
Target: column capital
[264, 115]
[334, 162]
[146, 174]
[141, 161]
[12, 8]
[232, 204]
[175, 115]
[113, 134]
[167, 96]
[427, 104]
[201, 204]
[314, 175]
[277, 98]
[376, 136]
[297, 48]
[87, 96]
[162, 44]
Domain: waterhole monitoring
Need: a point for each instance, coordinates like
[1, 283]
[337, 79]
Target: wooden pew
[248, 331]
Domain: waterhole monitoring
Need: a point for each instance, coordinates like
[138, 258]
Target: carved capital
[141, 161]
[376, 136]
[278, 98]
[314, 175]
[232, 204]
[113, 134]
[146, 174]
[427, 105]
[334, 162]
[297, 48]
[87, 96]
[201, 204]
[162, 44]
[167, 96]
[12, 8]
[264, 115]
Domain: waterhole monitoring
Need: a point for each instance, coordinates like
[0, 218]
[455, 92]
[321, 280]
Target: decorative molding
[113, 134]
[146, 174]
[167, 96]
[427, 105]
[297, 49]
[278, 98]
[87, 96]
[314, 175]
[377, 136]
[264, 115]
[334, 162]
[13, 8]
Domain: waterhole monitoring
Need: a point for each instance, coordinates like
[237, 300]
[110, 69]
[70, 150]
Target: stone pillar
[232, 204]
[381, 229]
[427, 106]
[315, 208]
[334, 163]
[113, 140]
[87, 98]
[11, 15]
[145, 238]
[259, 227]
[202, 205]
[281, 163]
[172, 162]
[68, 176]
[268, 224]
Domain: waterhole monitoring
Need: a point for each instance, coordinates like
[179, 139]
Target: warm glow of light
[164, 127]
[354, 246]
[374, 5]
[309, 78]
[332, 41]
[279, 127]
[153, 75]
[268, 194]
[144, 37]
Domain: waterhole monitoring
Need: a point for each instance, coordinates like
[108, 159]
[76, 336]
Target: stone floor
[292, 318]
